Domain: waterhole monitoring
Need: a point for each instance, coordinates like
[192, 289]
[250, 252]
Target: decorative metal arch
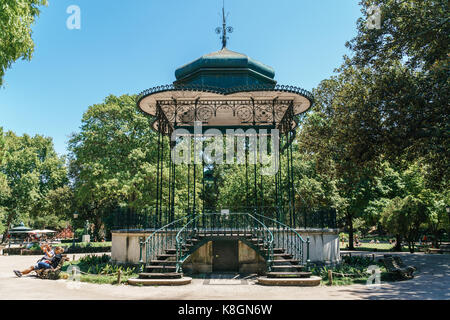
[250, 107]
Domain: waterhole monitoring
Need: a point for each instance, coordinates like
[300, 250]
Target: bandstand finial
[224, 29]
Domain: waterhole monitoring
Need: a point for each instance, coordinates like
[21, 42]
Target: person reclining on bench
[48, 252]
[44, 264]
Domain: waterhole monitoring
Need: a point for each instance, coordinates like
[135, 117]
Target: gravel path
[432, 281]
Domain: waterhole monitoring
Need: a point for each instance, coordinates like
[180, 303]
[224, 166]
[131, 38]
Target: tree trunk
[435, 240]
[398, 243]
[411, 247]
[8, 222]
[350, 233]
[98, 226]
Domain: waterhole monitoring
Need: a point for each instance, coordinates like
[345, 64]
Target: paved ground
[432, 281]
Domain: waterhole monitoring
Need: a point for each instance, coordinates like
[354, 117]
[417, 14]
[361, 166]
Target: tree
[31, 169]
[342, 135]
[411, 208]
[111, 159]
[55, 210]
[16, 18]
[410, 54]
[438, 219]
[5, 191]
[404, 217]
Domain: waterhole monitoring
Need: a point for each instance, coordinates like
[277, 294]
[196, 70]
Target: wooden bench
[401, 264]
[53, 273]
[444, 248]
[423, 248]
[398, 268]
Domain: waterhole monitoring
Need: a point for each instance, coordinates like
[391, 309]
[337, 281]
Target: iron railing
[321, 218]
[146, 219]
[161, 240]
[287, 238]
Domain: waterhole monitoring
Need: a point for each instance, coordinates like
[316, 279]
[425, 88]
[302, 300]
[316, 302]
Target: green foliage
[33, 176]
[111, 159]
[409, 59]
[100, 270]
[383, 111]
[412, 206]
[335, 137]
[16, 18]
[113, 162]
[351, 270]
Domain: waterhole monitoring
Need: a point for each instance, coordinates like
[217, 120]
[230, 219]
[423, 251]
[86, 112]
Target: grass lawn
[352, 270]
[100, 270]
[87, 244]
[365, 246]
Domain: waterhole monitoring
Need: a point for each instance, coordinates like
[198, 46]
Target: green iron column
[292, 181]
[246, 172]
[157, 167]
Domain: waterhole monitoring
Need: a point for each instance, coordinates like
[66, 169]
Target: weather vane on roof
[224, 29]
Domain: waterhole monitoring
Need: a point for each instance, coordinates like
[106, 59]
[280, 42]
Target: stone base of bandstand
[324, 248]
[299, 282]
[160, 282]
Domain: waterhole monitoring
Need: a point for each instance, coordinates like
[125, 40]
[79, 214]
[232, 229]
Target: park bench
[444, 248]
[401, 264]
[433, 250]
[398, 268]
[423, 247]
[53, 273]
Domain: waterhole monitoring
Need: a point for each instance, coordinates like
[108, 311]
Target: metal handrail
[152, 243]
[281, 224]
[294, 247]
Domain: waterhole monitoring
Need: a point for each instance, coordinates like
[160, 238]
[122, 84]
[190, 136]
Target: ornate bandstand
[219, 92]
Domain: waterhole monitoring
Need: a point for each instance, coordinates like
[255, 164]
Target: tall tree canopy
[16, 18]
[409, 56]
[30, 170]
[113, 161]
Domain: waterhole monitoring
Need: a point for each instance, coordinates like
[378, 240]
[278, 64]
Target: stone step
[159, 268]
[283, 255]
[221, 233]
[287, 268]
[174, 251]
[286, 261]
[160, 281]
[297, 282]
[154, 275]
[166, 256]
[275, 250]
[158, 262]
[288, 274]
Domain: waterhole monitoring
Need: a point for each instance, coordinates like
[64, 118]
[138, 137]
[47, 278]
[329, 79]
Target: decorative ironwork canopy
[259, 107]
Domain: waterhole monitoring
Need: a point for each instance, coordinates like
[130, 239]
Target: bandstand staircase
[279, 245]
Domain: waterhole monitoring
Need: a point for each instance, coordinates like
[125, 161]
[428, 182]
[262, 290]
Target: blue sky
[128, 46]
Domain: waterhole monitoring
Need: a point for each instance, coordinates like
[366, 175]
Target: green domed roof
[225, 68]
